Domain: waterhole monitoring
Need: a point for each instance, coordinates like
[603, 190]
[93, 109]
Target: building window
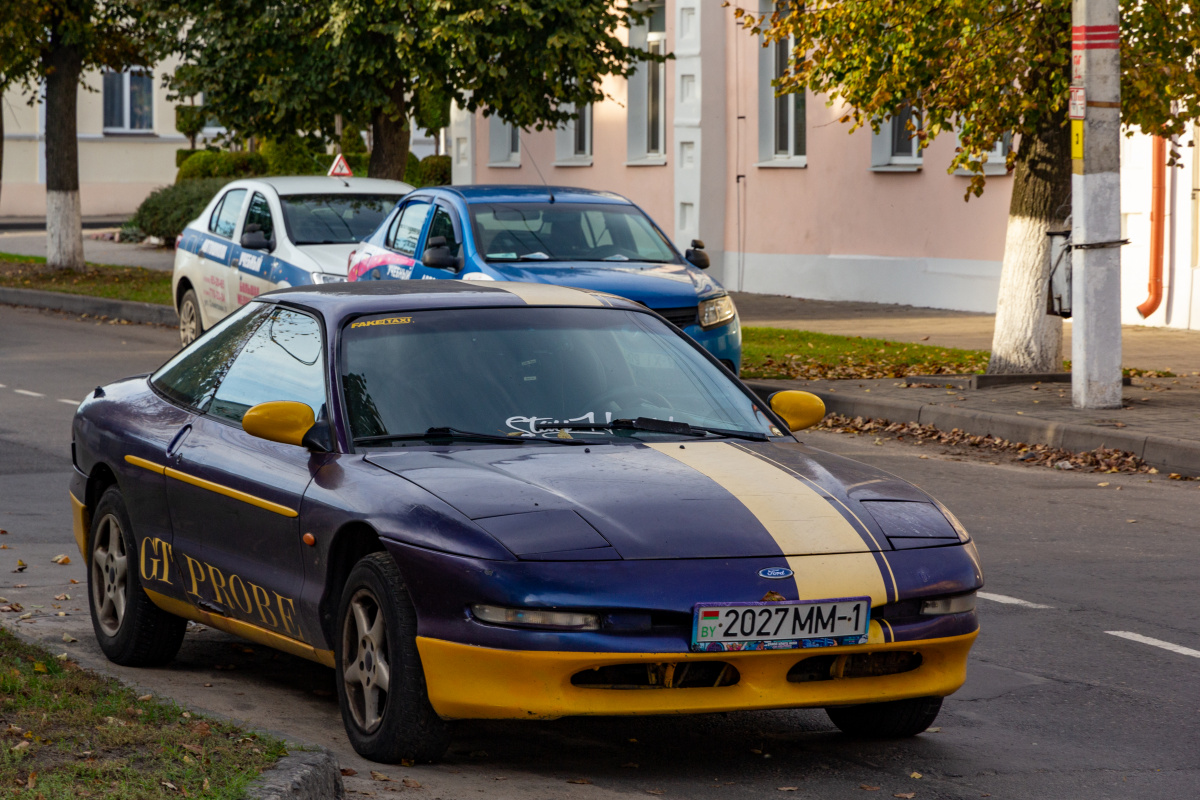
[128, 101]
[896, 147]
[647, 132]
[782, 118]
[504, 143]
[573, 141]
[996, 158]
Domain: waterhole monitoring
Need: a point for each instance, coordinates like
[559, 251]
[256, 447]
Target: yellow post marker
[1077, 143]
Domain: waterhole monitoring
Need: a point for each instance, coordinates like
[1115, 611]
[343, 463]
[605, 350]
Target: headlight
[536, 618]
[948, 605]
[716, 311]
[327, 277]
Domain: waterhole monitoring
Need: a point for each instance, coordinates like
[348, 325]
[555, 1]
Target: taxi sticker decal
[388, 321]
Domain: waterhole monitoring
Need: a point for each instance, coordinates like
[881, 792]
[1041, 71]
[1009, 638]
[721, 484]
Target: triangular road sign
[339, 168]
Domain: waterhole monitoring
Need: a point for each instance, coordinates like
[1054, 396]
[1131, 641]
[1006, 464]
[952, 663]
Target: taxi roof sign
[339, 168]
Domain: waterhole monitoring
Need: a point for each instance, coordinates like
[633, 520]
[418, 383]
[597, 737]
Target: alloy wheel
[110, 585]
[366, 667]
[188, 323]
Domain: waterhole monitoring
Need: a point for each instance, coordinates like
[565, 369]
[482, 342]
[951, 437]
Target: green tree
[985, 71]
[55, 42]
[275, 67]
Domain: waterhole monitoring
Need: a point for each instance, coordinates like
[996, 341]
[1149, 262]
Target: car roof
[338, 301]
[322, 184]
[514, 193]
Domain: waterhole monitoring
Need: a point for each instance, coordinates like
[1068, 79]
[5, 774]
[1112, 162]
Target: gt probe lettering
[230, 593]
[737, 622]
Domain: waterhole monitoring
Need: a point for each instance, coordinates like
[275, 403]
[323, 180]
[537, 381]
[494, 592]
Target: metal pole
[1096, 204]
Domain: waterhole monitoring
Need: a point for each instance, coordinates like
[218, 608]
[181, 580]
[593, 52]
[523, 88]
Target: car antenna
[532, 160]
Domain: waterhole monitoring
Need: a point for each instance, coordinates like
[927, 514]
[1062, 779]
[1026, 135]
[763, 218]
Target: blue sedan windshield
[567, 232]
[518, 373]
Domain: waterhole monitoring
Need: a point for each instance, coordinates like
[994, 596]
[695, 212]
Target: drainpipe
[1158, 198]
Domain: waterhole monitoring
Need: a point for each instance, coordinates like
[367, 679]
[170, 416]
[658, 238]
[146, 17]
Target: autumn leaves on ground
[66, 732]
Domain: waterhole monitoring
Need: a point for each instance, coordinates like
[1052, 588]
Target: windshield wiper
[457, 434]
[655, 425]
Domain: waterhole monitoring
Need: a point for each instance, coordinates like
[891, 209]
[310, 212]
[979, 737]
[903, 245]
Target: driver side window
[404, 235]
[283, 360]
[443, 225]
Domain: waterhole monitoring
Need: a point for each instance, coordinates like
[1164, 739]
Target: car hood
[329, 258]
[654, 285]
[671, 500]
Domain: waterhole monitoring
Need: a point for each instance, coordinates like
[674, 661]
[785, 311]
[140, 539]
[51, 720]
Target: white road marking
[1174, 648]
[28, 393]
[1011, 601]
[68, 402]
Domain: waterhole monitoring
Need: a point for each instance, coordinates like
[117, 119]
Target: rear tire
[131, 630]
[380, 681]
[191, 324]
[897, 719]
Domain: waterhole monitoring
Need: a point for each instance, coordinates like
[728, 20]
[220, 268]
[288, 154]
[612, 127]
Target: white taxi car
[260, 234]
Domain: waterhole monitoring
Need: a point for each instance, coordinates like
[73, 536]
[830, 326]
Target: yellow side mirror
[799, 409]
[283, 421]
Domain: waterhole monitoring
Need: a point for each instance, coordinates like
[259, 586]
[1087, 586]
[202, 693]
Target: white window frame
[996, 158]
[501, 138]
[638, 122]
[566, 141]
[768, 104]
[883, 156]
[126, 105]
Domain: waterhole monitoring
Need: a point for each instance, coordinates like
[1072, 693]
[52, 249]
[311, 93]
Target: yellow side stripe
[213, 487]
[545, 294]
[879, 548]
[245, 630]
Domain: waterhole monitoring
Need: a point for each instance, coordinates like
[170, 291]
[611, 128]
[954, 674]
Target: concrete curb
[305, 775]
[1164, 452]
[95, 306]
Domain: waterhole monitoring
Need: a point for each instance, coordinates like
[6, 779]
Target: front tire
[897, 719]
[380, 681]
[191, 324]
[131, 630]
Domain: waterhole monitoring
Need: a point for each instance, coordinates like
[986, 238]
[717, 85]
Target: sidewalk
[95, 250]
[1160, 420]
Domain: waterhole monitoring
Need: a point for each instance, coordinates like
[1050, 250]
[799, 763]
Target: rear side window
[408, 228]
[282, 361]
[224, 218]
[191, 377]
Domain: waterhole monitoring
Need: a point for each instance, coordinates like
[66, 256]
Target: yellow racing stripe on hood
[828, 556]
[546, 294]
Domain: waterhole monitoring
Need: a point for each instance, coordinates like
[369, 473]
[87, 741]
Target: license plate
[780, 626]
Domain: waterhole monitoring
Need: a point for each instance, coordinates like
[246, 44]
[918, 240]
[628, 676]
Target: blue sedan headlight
[716, 311]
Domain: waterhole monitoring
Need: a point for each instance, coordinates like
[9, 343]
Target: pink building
[785, 200]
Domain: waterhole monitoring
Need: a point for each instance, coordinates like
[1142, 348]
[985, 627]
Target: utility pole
[1095, 112]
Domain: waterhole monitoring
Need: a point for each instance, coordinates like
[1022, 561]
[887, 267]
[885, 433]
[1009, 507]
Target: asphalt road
[1055, 706]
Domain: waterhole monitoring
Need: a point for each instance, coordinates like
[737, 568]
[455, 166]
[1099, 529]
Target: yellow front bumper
[468, 682]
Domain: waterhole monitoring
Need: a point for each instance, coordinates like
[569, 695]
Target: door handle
[177, 441]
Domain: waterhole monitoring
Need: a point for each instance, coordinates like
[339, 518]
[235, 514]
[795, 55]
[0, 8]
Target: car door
[444, 222]
[251, 269]
[235, 503]
[217, 252]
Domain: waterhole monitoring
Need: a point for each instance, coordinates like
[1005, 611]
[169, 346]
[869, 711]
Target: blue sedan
[558, 235]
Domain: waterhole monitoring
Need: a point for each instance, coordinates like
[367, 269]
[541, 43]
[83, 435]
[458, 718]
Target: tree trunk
[1026, 338]
[391, 138]
[64, 221]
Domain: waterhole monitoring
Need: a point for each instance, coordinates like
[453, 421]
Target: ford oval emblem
[775, 573]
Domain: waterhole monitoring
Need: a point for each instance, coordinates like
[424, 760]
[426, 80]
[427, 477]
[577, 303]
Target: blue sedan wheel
[381, 686]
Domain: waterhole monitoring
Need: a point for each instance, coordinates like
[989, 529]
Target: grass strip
[67, 732]
[779, 353]
[98, 280]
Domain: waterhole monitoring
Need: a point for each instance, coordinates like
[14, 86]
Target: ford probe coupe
[558, 235]
[510, 501]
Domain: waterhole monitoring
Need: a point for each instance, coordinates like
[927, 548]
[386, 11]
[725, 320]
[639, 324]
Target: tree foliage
[275, 67]
[981, 70]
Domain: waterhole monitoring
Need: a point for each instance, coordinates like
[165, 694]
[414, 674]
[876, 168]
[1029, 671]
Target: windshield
[518, 373]
[567, 232]
[335, 218]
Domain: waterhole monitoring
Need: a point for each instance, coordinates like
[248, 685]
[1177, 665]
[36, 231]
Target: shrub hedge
[434, 171]
[168, 210]
[222, 164]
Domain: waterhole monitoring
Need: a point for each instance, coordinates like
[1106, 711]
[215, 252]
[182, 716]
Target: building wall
[116, 171]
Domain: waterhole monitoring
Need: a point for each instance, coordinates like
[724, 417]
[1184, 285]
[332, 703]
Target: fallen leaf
[933, 730]
[74, 581]
[63, 596]
[924, 338]
[26, 615]
[915, 775]
[905, 795]
[785, 788]
[1131, 520]
[408, 762]
[62, 656]
[39, 666]
[868, 788]
[32, 781]
[62, 558]
[579, 781]
[19, 746]
[379, 776]
[170, 786]
[21, 566]
[208, 686]
[1105, 483]
[143, 698]
[411, 783]
[348, 772]
[60, 613]
[195, 748]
